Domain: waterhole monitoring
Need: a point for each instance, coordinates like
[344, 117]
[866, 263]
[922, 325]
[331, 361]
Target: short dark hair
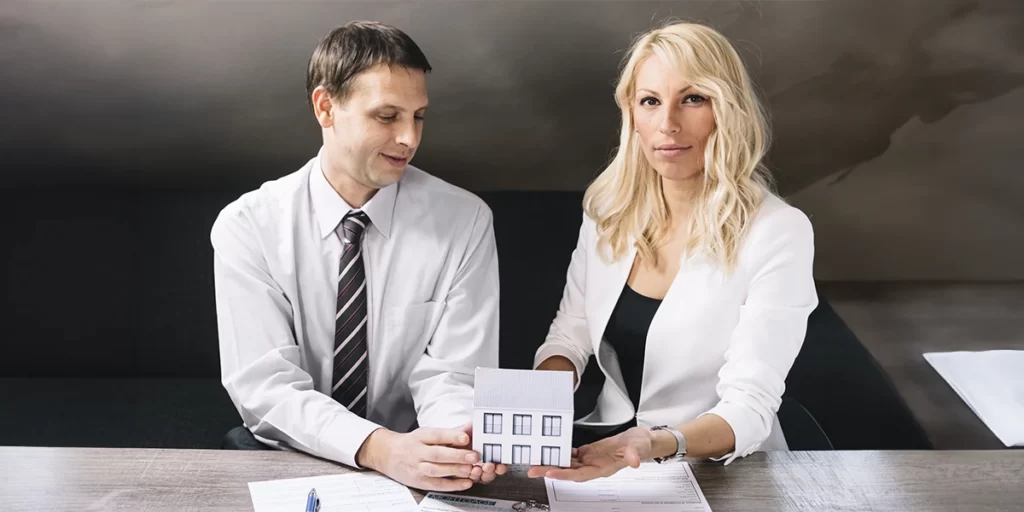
[355, 47]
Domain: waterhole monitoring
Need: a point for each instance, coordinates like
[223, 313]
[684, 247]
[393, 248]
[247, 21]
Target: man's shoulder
[417, 183]
[258, 208]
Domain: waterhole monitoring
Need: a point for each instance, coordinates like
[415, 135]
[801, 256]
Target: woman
[691, 280]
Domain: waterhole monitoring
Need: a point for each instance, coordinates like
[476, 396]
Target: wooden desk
[149, 480]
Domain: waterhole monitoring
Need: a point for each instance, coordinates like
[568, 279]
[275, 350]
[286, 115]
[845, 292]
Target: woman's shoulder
[775, 217]
[777, 228]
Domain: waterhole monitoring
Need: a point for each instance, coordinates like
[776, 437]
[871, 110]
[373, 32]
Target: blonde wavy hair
[626, 199]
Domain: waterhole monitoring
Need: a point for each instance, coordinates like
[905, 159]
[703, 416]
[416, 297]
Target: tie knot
[353, 225]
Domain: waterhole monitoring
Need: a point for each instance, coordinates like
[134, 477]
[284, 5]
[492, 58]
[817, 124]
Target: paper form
[350, 492]
[989, 382]
[653, 487]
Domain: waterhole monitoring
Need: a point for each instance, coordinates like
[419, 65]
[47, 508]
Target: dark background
[897, 124]
[125, 126]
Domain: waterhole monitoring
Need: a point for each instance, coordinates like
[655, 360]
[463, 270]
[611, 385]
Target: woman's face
[672, 120]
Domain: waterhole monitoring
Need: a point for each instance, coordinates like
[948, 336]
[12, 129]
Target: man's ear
[322, 104]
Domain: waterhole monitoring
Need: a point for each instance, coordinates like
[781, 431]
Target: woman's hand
[603, 458]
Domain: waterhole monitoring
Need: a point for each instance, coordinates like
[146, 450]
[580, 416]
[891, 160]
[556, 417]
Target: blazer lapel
[604, 292]
[604, 286]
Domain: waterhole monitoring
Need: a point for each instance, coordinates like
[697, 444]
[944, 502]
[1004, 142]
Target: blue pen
[312, 501]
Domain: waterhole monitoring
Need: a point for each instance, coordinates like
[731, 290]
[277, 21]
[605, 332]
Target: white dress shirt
[432, 290]
[718, 343]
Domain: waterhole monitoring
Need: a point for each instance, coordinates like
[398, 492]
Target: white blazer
[720, 344]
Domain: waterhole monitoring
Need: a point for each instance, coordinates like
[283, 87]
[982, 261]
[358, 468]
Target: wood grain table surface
[158, 480]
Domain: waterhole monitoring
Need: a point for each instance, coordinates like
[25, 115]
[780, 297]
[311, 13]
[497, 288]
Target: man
[356, 296]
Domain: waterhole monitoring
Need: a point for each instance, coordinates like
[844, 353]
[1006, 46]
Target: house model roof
[499, 388]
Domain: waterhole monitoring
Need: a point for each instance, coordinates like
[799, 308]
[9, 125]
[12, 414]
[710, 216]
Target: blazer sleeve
[569, 335]
[770, 330]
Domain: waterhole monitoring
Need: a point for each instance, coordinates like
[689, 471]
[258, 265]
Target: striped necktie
[351, 366]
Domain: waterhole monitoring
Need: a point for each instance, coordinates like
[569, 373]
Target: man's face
[375, 130]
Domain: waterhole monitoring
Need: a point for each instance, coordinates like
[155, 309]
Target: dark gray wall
[898, 123]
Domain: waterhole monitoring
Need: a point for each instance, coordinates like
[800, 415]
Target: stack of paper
[444, 502]
[362, 492]
[652, 487]
[515, 491]
[991, 384]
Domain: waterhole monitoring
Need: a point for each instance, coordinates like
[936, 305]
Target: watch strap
[680, 440]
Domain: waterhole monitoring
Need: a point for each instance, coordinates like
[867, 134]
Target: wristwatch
[680, 440]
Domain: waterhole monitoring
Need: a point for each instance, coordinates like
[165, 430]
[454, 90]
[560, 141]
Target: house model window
[549, 455]
[552, 426]
[522, 424]
[521, 454]
[492, 453]
[492, 423]
[508, 403]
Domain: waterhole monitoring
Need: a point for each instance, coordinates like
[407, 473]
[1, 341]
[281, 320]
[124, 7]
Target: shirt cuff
[738, 418]
[552, 349]
[342, 438]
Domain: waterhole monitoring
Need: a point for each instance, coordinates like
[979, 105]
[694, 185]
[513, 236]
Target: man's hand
[488, 471]
[428, 459]
[602, 458]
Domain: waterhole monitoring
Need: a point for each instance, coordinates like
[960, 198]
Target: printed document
[653, 487]
[355, 492]
[990, 383]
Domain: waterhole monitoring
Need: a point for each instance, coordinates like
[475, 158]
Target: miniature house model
[523, 416]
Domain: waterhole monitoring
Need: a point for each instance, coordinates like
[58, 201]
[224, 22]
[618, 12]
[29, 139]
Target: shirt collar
[329, 207]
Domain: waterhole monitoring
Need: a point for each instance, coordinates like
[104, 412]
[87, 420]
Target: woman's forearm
[707, 436]
[559, 363]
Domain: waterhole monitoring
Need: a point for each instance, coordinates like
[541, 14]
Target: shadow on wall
[914, 103]
[854, 108]
[185, 92]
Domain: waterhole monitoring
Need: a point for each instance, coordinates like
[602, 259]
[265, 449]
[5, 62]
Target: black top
[627, 333]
